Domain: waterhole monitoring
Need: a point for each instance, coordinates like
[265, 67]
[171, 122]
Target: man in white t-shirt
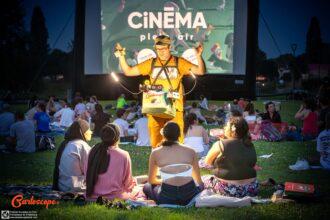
[197, 111]
[90, 106]
[142, 132]
[31, 112]
[323, 144]
[122, 123]
[66, 115]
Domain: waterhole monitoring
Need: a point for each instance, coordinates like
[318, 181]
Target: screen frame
[100, 85]
[93, 39]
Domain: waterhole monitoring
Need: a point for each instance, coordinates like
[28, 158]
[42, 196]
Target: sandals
[78, 199]
[68, 196]
[115, 203]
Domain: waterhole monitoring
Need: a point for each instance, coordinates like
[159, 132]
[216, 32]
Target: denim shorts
[179, 195]
[169, 194]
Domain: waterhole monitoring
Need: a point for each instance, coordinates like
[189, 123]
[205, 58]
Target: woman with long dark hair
[109, 171]
[195, 135]
[179, 170]
[71, 158]
[249, 113]
[271, 114]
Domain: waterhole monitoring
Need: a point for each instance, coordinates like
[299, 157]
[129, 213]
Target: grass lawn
[37, 169]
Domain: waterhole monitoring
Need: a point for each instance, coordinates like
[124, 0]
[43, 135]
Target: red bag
[299, 189]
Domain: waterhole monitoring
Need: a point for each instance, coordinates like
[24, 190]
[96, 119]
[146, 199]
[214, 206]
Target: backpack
[45, 142]
[268, 132]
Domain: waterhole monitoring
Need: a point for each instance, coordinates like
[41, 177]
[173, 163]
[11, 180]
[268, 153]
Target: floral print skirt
[226, 189]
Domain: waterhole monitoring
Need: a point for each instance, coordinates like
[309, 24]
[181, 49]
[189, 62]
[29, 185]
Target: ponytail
[171, 133]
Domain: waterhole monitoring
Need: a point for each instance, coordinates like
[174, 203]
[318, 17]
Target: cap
[162, 40]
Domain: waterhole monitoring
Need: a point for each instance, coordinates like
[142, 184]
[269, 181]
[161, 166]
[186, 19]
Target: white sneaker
[300, 165]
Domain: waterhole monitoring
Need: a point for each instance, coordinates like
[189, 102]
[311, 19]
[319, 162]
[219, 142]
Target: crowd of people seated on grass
[42, 118]
[54, 116]
[174, 174]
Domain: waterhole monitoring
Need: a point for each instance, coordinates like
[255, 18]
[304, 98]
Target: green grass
[37, 169]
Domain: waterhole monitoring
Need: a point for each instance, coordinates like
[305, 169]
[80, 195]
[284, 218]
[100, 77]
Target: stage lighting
[114, 76]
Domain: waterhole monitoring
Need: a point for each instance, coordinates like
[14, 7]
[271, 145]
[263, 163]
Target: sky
[288, 21]
[56, 13]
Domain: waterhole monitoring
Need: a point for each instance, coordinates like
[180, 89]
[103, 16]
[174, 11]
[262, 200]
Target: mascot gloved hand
[120, 51]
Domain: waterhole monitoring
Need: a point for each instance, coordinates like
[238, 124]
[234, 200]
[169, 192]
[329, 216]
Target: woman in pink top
[109, 170]
[308, 115]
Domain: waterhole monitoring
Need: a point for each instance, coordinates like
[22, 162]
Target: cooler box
[157, 104]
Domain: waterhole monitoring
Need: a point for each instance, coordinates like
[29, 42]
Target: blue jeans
[298, 136]
[168, 194]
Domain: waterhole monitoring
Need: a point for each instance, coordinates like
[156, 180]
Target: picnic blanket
[206, 198]
[254, 129]
[44, 192]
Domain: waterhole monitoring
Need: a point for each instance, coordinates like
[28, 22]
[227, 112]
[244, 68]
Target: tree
[325, 53]
[57, 63]
[269, 69]
[261, 56]
[39, 47]
[13, 47]
[39, 33]
[314, 42]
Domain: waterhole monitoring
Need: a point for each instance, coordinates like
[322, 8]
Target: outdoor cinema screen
[221, 25]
